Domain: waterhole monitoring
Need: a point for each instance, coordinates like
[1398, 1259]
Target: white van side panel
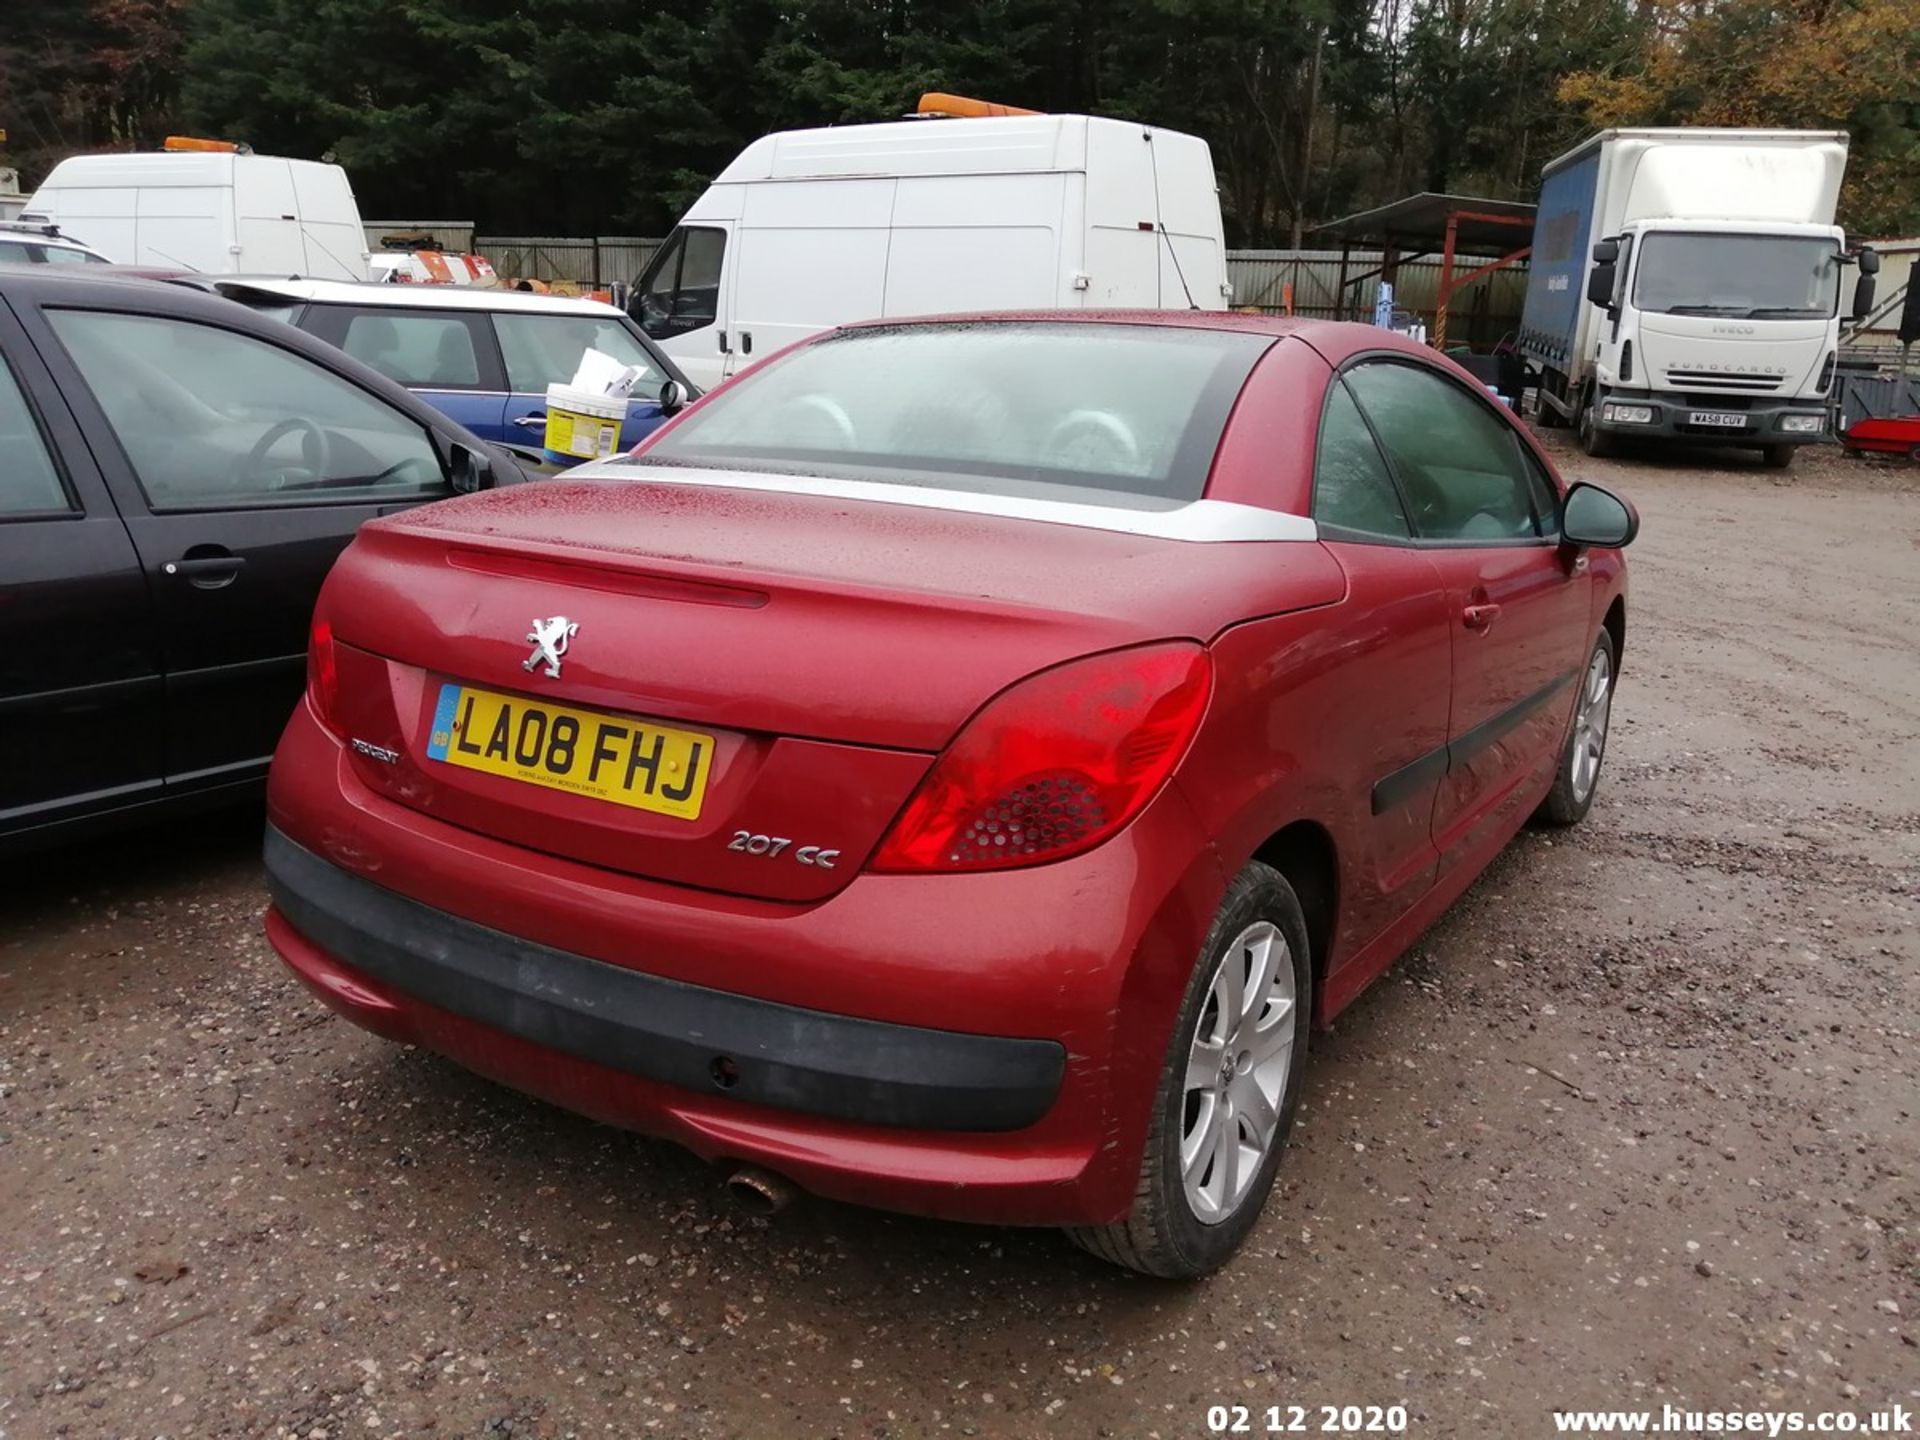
[194, 209]
[1123, 265]
[336, 241]
[266, 219]
[185, 225]
[808, 255]
[1190, 215]
[977, 242]
[103, 217]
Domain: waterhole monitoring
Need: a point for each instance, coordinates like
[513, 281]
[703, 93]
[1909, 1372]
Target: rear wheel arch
[1305, 854]
[1616, 626]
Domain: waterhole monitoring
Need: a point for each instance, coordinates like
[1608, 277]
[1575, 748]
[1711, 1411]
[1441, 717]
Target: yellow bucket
[582, 425]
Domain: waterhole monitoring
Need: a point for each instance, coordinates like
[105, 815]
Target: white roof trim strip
[1198, 521]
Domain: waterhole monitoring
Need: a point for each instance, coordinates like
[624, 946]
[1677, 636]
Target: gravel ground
[1634, 1123]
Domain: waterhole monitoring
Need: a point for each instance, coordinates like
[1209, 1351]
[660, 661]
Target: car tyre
[1577, 780]
[1165, 1234]
[1778, 457]
[1596, 442]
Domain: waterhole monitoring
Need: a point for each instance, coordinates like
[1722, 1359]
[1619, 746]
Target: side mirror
[1598, 518]
[1606, 252]
[673, 398]
[1869, 262]
[469, 469]
[1863, 290]
[1600, 282]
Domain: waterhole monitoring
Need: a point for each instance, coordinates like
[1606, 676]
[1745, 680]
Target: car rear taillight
[323, 675]
[1055, 764]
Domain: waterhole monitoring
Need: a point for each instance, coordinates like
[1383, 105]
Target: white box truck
[215, 208]
[808, 229]
[1686, 285]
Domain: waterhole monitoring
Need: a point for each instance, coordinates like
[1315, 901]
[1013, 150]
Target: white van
[220, 212]
[812, 228]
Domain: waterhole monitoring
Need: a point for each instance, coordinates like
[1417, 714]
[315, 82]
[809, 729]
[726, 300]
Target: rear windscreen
[1023, 408]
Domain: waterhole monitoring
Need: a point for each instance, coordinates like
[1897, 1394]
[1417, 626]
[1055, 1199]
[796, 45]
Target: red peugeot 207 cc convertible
[951, 765]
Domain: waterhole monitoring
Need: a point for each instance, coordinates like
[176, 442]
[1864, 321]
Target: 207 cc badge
[549, 639]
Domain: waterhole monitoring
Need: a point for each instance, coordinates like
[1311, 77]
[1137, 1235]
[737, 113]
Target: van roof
[997, 145]
[159, 168]
[402, 297]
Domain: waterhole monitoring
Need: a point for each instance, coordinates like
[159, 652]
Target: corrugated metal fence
[1260, 278]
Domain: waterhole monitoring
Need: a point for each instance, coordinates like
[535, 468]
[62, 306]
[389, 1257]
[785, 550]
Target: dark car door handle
[206, 572]
[1480, 617]
[532, 422]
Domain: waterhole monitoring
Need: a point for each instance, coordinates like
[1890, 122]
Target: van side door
[80, 687]
[812, 255]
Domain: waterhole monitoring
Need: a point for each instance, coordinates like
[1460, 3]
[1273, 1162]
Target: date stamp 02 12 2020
[1307, 1420]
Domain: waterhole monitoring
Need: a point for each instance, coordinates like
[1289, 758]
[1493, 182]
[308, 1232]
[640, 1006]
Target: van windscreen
[1030, 408]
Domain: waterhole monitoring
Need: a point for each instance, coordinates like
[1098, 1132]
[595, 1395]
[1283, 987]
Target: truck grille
[1722, 380]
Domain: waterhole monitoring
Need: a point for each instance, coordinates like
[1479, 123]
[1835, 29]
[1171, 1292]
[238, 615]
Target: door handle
[532, 422]
[746, 342]
[723, 344]
[206, 572]
[1480, 617]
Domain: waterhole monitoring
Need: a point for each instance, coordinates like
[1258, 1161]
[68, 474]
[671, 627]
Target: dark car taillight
[1055, 764]
[323, 675]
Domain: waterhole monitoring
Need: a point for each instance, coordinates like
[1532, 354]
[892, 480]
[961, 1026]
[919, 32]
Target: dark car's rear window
[1025, 408]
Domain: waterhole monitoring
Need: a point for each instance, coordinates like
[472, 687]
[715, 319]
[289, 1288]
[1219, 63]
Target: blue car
[482, 357]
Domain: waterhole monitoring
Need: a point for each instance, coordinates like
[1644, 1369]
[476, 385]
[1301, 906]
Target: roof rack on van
[937, 105]
[31, 227]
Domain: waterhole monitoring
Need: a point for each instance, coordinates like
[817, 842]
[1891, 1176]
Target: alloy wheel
[1237, 1072]
[1590, 724]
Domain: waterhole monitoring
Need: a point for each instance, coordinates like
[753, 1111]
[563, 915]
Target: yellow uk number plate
[609, 757]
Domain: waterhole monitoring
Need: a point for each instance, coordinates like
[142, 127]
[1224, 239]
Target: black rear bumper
[778, 1055]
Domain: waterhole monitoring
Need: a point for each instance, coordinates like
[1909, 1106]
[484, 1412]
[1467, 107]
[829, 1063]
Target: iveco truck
[1686, 286]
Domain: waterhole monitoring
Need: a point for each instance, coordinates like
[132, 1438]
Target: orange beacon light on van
[177, 144]
[956, 107]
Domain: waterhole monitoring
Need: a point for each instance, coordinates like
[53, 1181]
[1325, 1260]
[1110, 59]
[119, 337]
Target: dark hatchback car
[177, 475]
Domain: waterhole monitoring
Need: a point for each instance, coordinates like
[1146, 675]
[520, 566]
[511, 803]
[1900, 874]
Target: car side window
[1458, 463]
[428, 351]
[29, 482]
[681, 289]
[212, 419]
[543, 350]
[1352, 488]
[1545, 494]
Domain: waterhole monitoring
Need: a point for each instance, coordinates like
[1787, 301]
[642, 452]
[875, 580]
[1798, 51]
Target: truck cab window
[1750, 277]
[680, 290]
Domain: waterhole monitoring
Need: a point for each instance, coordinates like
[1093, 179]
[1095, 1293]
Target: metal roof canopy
[1431, 221]
[1421, 220]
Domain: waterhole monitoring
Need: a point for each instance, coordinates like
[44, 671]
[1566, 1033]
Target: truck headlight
[1627, 414]
[1803, 424]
